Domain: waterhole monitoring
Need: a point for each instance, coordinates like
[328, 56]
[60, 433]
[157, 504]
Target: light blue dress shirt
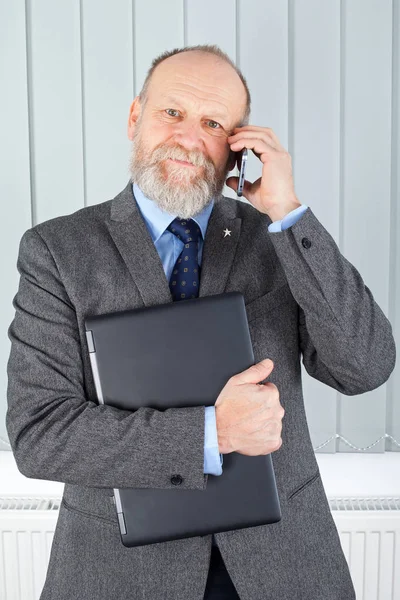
[169, 248]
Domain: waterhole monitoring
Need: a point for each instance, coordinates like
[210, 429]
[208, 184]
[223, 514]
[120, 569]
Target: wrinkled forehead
[200, 80]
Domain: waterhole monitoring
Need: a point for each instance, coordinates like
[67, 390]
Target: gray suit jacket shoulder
[303, 299]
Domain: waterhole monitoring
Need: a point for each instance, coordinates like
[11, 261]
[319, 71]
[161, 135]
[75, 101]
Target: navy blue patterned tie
[185, 276]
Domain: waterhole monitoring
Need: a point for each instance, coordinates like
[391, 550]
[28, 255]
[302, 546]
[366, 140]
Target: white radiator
[369, 530]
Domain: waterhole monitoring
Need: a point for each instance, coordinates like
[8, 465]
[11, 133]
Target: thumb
[255, 373]
[233, 183]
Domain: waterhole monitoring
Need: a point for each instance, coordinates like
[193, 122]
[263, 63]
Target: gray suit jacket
[302, 298]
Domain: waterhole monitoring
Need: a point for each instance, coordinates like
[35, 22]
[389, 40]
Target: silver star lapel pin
[227, 232]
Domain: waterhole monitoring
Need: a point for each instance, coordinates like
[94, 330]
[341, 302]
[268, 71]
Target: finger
[253, 128]
[270, 131]
[259, 147]
[250, 135]
[262, 130]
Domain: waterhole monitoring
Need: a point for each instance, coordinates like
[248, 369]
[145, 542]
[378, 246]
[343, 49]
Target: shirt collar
[157, 220]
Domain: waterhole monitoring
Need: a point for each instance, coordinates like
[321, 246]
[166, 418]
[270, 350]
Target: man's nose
[188, 135]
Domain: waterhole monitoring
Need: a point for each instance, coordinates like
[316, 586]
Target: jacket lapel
[133, 240]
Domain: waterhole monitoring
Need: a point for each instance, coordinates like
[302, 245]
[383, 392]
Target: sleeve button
[176, 479]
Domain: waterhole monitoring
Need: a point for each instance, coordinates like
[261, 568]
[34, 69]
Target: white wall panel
[210, 22]
[15, 185]
[314, 134]
[366, 160]
[108, 70]
[393, 385]
[56, 100]
[158, 26]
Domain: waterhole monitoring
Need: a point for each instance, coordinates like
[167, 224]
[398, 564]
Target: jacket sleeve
[345, 338]
[55, 431]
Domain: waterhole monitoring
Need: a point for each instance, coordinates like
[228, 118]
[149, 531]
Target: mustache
[177, 153]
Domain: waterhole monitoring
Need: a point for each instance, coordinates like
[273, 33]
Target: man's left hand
[273, 193]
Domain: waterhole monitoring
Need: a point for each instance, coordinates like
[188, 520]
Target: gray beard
[178, 190]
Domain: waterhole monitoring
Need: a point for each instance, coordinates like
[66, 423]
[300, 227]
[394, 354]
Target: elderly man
[188, 127]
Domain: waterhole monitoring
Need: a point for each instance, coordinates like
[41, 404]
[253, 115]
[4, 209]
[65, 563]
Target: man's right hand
[248, 414]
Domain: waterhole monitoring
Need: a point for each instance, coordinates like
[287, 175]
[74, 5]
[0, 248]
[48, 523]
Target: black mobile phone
[243, 162]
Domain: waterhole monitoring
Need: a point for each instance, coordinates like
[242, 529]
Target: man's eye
[209, 121]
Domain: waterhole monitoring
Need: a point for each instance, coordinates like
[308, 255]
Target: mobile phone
[243, 161]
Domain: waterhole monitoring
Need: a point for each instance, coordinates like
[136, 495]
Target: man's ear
[134, 113]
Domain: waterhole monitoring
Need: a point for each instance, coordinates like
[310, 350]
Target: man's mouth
[182, 162]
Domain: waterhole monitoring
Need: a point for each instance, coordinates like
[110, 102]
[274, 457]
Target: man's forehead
[216, 109]
[214, 78]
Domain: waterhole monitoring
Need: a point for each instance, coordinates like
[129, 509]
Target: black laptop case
[137, 356]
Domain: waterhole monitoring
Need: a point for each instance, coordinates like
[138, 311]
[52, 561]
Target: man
[302, 297]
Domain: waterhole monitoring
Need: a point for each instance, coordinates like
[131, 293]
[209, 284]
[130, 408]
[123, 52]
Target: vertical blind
[323, 75]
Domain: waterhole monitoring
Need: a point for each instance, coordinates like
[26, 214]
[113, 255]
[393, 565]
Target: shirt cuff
[212, 458]
[288, 220]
